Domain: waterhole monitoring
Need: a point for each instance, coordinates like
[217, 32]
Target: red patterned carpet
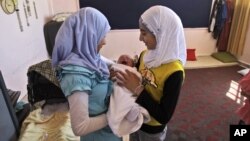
[205, 110]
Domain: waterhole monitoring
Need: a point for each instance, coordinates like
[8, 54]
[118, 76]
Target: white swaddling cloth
[124, 115]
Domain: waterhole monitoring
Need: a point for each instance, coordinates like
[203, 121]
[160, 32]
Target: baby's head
[126, 60]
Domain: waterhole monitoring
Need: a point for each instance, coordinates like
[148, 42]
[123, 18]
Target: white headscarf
[169, 33]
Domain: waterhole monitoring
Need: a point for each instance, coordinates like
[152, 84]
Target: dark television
[8, 121]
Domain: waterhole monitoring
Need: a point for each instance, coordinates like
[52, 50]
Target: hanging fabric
[224, 35]
[213, 16]
[221, 16]
[217, 18]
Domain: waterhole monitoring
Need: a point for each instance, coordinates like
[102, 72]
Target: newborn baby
[125, 116]
[126, 60]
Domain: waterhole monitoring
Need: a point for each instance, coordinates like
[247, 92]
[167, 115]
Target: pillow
[224, 57]
[191, 54]
[244, 71]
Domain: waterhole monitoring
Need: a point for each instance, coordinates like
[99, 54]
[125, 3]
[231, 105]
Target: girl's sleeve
[81, 123]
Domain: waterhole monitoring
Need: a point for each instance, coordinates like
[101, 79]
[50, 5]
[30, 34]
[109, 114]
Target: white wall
[59, 6]
[127, 42]
[201, 40]
[18, 50]
[122, 42]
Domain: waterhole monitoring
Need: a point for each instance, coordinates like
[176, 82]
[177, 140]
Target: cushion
[191, 54]
[224, 57]
[244, 71]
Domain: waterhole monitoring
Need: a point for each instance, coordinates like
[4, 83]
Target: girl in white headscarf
[83, 76]
[161, 66]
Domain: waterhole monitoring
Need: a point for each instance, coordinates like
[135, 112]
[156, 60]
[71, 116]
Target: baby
[127, 60]
[124, 62]
[125, 116]
[123, 59]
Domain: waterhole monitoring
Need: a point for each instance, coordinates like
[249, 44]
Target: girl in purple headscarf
[83, 76]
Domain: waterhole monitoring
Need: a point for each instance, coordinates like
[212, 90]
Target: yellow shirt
[156, 79]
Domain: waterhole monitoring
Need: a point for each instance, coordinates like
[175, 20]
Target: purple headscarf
[77, 40]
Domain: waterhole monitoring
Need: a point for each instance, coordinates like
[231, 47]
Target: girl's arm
[162, 111]
[81, 123]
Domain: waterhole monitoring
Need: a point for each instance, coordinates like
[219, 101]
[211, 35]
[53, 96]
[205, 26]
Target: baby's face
[126, 60]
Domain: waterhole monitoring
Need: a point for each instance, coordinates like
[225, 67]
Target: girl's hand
[130, 81]
[112, 74]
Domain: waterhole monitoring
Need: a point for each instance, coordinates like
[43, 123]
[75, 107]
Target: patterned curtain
[239, 27]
